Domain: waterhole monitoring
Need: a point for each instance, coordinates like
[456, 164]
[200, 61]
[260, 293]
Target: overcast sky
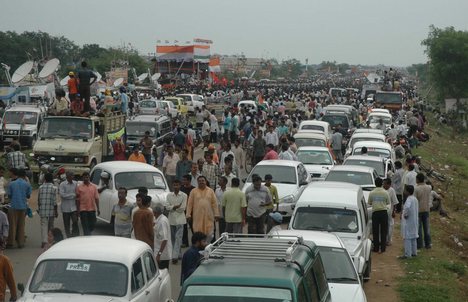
[346, 31]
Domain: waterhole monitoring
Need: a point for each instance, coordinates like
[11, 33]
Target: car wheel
[367, 271]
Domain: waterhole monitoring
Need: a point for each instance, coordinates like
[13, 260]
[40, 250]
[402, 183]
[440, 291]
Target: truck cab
[78, 143]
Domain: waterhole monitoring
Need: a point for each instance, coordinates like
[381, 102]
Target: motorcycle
[45, 166]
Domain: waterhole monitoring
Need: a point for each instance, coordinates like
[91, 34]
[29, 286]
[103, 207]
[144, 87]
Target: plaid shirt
[47, 200]
[211, 172]
[16, 159]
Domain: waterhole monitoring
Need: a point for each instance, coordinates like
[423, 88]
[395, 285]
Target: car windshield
[67, 128]
[281, 174]
[314, 157]
[325, 219]
[313, 127]
[338, 266]
[138, 179]
[139, 128]
[374, 152]
[377, 118]
[357, 178]
[388, 98]
[214, 293]
[335, 120]
[364, 139]
[20, 117]
[379, 166]
[313, 142]
[80, 276]
[147, 104]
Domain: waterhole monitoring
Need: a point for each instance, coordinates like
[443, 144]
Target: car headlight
[26, 132]
[79, 159]
[288, 199]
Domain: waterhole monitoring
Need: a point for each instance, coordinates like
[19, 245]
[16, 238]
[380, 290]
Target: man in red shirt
[87, 202]
[270, 152]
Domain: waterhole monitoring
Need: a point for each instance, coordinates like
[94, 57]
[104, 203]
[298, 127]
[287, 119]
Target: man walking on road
[67, 192]
[258, 197]
[170, 165]
[176, 204]
[87, 203]
[422, 192]
[122, 215]
[336, 142]
[19, 191]
[234, 207]
[380, 202]
[47, 206]
[409, 224]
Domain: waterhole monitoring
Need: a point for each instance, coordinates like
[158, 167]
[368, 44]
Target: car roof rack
[278, 248]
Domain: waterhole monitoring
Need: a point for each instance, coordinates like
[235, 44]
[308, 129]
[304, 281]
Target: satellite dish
[49, 68]
[118, 82]
[22, 71]
[142, 77]
[99, 76]
[64, 81]
[155, 76]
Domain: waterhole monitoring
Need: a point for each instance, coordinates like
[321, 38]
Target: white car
[317, 160]
[288, 177]
[193, 101]
[132, 176]
[380, 110]
[149, 106]
[382, 149]
[316, 126]
[374, 119]
[339, 208]
[342, 276]
[168, 108]
[384, 167]
[363, 136]
[306, 139]
[98, 268]
[249, 105]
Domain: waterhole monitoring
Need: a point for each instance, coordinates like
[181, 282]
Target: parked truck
[78, 143]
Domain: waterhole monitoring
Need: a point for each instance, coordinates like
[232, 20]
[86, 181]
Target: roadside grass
[441, 273]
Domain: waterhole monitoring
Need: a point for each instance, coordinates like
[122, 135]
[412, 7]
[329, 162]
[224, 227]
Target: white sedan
[317, 160]
[132, 176]
[95, 269]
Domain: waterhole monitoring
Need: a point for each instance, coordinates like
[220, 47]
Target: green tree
[447, 50]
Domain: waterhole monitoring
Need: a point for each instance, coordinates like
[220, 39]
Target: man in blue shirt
[192, 256]
[18, 190]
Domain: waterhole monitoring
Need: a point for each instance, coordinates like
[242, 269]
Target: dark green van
[250, 268]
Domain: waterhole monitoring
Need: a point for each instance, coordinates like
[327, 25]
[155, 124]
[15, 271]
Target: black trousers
[380, 230]
[85, 95]
[88, 221]
[73, 216]
[163, 264]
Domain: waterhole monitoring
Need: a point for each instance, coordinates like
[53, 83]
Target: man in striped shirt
[47, 206]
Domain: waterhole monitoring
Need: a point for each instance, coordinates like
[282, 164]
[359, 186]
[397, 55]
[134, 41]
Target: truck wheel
[91, 166]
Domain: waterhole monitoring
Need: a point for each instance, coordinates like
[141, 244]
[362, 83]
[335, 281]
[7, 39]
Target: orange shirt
[140, 158]
[72, 86]
[87, 196]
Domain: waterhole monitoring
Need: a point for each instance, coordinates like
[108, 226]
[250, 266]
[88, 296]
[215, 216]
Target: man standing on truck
[86, 78]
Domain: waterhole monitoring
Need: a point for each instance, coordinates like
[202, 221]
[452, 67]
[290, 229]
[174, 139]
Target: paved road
[24, 259]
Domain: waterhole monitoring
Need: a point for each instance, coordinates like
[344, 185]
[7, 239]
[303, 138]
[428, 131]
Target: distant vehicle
[337, 92]
[339, 208]
[192, 101]
[348, 109]
[384, 167]
[311, 139]
[22, 123]
[98, 268]
[288, 176]
[374, 119]
[380, 110]
[391, 100]
[381, 149]
[316, 126]
[363, 136]
[252, 268]
[317, 160]
[149, 106]
[159, 127]
[342, 276]
[249, 105]
[335, 118]
[180, 103]
[168, 108]
[132, 176]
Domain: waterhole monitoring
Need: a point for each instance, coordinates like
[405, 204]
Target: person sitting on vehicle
[76, 106]
[60, 105]
[364, 151]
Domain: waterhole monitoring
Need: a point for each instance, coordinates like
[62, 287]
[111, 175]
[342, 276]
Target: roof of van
[332, 193]
[310, 134]
[372, 144]
[352, 168]
[147, 118]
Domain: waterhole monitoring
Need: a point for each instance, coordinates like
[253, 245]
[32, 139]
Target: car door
[138, 285]
[151, 274]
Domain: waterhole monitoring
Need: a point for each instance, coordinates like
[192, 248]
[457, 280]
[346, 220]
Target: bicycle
[248, 158]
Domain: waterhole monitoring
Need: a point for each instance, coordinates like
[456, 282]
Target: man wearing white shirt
[176, 204]
[271, 137]
[162, 237]
[409, 179]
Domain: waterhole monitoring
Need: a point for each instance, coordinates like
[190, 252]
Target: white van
[339, 208]
[316, 126]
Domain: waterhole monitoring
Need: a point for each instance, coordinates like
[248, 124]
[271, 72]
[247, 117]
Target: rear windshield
[377, 165]
[214, 293]
[313, 142]
[325, 219]
[357, 178]
[313, 127]
[334, 120]
[373, 152]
